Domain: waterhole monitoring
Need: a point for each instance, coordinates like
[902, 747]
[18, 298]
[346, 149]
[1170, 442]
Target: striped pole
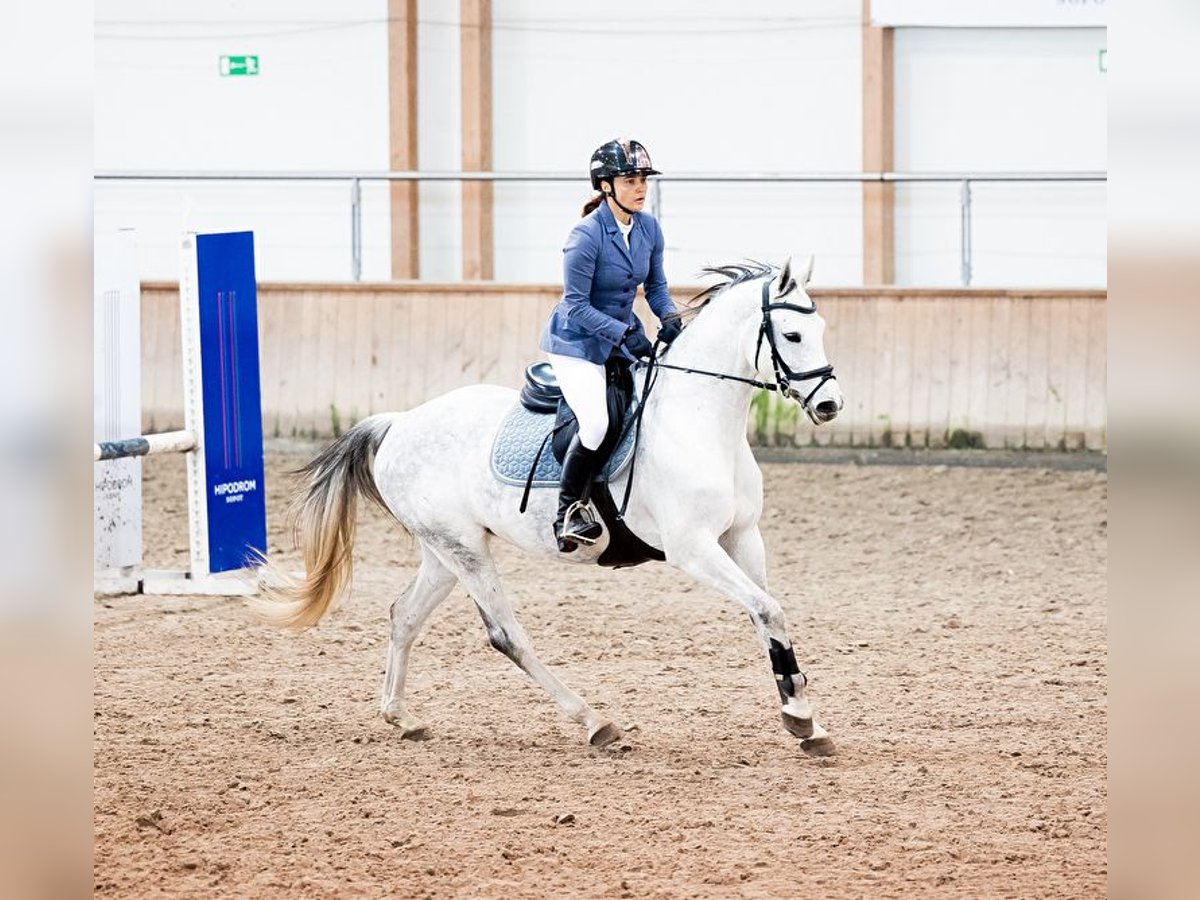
[146, 445]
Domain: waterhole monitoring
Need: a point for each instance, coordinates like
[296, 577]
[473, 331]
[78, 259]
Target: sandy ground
[952, 623]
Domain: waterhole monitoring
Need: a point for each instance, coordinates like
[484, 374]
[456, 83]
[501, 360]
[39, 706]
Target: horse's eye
[793, 336]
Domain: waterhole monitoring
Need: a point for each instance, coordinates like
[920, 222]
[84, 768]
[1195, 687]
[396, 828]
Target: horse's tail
[324, 522]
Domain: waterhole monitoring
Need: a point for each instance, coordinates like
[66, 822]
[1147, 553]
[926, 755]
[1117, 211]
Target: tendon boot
[575, 524]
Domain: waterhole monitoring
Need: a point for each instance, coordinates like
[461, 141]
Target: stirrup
[584, 512]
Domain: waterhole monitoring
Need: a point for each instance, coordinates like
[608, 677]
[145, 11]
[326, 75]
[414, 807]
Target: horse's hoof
[822, 746]
[801, 728]
[818, 743]
[410, 728]
[603, 735]
[416, 732]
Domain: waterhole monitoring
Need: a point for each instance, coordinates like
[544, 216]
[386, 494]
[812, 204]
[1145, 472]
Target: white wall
[1012, 99]
[766, 87]
[320, 103]
[706, 86]
[439, 138]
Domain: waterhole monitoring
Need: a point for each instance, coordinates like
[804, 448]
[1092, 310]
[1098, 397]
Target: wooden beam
[402, 137]
[476, 51]
[879, 205]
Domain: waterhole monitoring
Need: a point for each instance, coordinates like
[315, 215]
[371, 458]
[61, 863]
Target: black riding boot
[576, 526]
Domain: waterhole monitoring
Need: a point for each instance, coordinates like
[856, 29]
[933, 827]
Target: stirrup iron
[585, 513]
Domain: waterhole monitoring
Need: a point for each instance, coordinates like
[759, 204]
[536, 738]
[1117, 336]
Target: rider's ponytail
[592, 204]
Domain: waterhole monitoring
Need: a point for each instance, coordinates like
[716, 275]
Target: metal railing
[356, 178]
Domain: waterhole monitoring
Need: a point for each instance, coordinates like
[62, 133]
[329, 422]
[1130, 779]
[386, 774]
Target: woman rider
[608, 254]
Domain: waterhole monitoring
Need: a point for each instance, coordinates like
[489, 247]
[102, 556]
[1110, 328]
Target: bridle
[784, 374]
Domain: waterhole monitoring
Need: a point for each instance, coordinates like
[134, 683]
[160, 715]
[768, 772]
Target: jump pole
[222, 436]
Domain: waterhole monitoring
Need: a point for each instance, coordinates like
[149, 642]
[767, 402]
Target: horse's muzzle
[825, 411]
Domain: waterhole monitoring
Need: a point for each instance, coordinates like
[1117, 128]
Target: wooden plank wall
[925, 368]
[1021, 369]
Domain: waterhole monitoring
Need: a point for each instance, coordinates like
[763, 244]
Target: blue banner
[233, 439]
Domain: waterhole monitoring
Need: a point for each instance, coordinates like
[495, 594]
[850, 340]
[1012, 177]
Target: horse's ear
[785, 276]
[808, 269]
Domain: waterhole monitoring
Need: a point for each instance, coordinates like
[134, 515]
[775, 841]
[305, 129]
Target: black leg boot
[575, 524]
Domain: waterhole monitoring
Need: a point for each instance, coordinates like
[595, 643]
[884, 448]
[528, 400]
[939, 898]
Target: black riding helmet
[620, 157]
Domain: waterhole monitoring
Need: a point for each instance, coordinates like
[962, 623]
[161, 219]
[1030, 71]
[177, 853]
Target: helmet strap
[613, 196]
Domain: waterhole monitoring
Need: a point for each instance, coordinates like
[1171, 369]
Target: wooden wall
[918, 367]
[923, 368]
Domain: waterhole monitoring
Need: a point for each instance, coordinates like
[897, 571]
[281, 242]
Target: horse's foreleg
[745, 547]
[740, 574]
[409, 612]
[474, 567]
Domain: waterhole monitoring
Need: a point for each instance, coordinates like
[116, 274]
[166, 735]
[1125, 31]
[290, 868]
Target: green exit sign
[239, 65]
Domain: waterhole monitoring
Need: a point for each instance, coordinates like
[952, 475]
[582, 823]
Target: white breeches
[585, 389]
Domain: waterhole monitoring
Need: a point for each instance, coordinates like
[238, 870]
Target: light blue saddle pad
[520, 435]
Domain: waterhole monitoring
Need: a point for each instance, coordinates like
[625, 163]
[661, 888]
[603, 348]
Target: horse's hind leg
[409, 612]
[476, 570]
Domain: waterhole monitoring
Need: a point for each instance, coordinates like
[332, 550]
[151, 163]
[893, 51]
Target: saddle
[543, 416]
[542, 394]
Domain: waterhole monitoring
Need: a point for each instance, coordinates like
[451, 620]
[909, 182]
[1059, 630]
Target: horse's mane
[732, 274]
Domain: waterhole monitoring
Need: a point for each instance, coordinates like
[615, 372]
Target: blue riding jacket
[600, 280]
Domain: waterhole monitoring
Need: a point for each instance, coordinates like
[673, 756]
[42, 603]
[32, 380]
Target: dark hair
[592, 204]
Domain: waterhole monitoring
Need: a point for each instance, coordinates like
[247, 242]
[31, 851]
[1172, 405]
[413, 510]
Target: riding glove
[669, 330]
[637, 345]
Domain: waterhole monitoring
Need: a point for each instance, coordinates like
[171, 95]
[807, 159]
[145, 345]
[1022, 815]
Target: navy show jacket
[600, 280]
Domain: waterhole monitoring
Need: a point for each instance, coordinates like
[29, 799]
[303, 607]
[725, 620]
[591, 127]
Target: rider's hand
[669, 330]
[637, 345]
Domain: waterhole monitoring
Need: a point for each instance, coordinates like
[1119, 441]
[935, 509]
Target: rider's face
[631, 191]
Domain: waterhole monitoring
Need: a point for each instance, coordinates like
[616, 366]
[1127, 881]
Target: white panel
[305, 227]
[439, 138]
[1001, 100]
[320, 102]
[117, 400]
[707, 87]
[990, 13]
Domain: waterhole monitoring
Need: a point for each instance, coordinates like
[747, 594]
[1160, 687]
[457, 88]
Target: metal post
[656, 199]
[965, 205]
[355, 230]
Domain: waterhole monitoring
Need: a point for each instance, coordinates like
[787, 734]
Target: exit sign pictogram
[239, 65]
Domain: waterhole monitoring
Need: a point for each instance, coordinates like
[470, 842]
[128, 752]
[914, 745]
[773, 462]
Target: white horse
[697, 491]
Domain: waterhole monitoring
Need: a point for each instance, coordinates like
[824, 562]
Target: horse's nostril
[827, 409]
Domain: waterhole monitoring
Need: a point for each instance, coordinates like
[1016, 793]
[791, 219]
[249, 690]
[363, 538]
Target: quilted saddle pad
[520, 435]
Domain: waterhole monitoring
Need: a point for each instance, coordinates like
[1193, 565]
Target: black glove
[637, 345]
[669, 330]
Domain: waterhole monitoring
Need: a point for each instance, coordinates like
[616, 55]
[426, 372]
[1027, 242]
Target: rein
[720, 376]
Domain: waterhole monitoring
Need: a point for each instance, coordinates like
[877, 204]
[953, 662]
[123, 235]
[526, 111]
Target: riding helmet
[620, 157]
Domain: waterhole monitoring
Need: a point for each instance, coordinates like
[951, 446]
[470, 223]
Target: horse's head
[791, 344]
